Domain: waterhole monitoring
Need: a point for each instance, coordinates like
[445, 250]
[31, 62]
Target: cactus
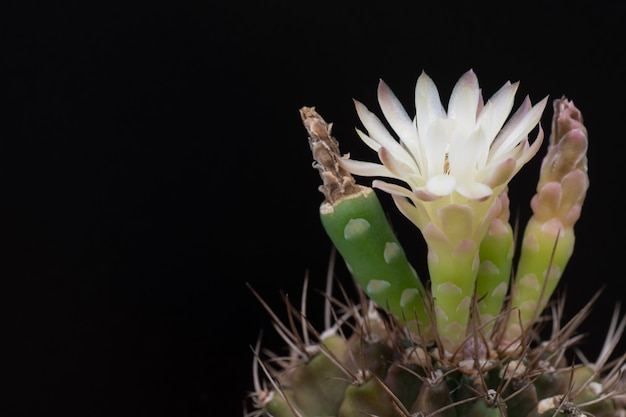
[471, 339]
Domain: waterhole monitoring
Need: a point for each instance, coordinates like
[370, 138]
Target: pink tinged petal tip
[501, 174]
[397, 116]
[518, 130]
[427, 103]
[464, 100]
[497, 109]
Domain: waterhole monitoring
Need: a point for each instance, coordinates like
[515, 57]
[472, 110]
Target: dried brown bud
[337, 182]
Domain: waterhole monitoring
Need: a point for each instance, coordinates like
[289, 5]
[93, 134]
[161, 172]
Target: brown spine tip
[336, 181]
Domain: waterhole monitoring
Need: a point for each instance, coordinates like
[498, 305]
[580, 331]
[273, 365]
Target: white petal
[474, 191]
[396, 165]
[394, 112]
[375, 128]
[366, 169]
[520, 128]
[428, 105]
[441, 184]
[437, 142]
[513, 121]
[368, 141]
[393, 189]
[423, 194]
[377, 131]
[464, 100]
[466, 153]
[530, 151]
[497, 109]
[399, 120]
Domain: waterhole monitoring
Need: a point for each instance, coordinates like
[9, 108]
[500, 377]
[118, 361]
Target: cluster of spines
[366, 363]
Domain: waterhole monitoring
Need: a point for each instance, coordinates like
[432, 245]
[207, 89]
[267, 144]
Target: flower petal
[497, 109]
[395, 165]
[427, 103]
[522, 153]
[375, 128]
[511, 124]
[466, 153]
[436, 143]
[424, 195]
[377, 131]
[441, 184]
[463, 104]
[476, 191]
[520, 128]
[393, 189]
[366, 169]
[399, 121]
[368, 141]
[501, 174]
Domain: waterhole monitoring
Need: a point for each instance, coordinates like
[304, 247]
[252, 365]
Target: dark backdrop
[153, 162]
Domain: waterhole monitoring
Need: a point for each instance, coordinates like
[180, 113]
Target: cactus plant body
[479, 336]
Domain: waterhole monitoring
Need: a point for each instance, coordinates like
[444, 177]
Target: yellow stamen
[446, 161]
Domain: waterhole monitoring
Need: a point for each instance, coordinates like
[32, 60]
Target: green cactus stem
[353, 218]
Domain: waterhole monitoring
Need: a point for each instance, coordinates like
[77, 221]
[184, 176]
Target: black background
[153, 162]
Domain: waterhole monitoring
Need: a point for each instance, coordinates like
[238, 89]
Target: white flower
[466, 155]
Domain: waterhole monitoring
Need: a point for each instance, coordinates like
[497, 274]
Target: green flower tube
[494, 273]
[453, 274]
[453, 264]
